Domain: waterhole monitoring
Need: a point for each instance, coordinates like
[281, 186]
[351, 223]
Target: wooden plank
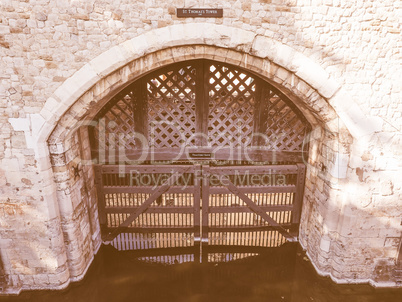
[261, 189]
[399, 259]
[140, 114]
[100, 195]
[162, 189]
[261, 113]
[151, 169]
[259, 155]
[190, 189]
[298, 201]
[241, 209]
[197, 200]
[201, 107]
[204, 212]
[153, 209]
[256, 209]
[147, 189]
[269, 169]
[159, 229]
[220, 209]
[205, 203]
[246, 228]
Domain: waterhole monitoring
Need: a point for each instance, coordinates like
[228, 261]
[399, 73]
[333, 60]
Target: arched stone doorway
[79, 99]
[241, 142]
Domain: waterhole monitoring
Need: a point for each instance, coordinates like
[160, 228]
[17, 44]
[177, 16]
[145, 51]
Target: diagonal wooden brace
[162, 189]
[232, 188]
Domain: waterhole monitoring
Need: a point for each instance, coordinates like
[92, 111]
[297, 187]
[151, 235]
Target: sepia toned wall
[338, 61]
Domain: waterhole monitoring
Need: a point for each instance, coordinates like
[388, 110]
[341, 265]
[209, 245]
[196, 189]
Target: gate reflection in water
[270, 274]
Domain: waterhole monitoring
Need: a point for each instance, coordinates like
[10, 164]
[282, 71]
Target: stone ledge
[348, 280]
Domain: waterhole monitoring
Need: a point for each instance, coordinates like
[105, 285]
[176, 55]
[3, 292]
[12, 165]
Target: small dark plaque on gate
[200, 155]
[199, 12]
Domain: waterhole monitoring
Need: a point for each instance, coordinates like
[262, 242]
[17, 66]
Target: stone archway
[79, 98]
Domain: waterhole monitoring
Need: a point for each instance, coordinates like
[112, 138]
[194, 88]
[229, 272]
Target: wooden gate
[199, 106]
[188, 206]
[199, 155]
[160, 203]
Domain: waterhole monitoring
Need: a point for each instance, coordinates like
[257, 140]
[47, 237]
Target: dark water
[277, 274]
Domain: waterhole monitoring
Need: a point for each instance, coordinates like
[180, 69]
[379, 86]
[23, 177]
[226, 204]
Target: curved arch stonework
[279, 63]
[335, 118]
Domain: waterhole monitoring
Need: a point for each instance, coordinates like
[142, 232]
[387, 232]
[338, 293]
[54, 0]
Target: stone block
[311, 72]
[65, 203]
[338, 168]
[386, 188]
[137, 46]
[241, 39]
[41, 280]
[233, 57]
[82, 80]
[263, 47]
[62, 278]
[107, 62]
[27, 280]
[4, 29]
[50, 199]
[20, 124]
[194, 33]
[352, 116]
[325, 244]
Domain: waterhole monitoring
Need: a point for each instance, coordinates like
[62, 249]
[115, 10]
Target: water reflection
[274, 274]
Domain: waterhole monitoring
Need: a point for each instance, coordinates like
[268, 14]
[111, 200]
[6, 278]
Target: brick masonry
[62, 60]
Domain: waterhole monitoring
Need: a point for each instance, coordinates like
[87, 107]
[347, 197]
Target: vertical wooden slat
[205, 209]
[399, 259]
[140, 103]
[201, 103]
[101, 196]
[197, 176]
[301, 168]
[260, 113]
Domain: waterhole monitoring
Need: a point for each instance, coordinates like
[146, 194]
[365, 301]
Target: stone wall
[339, 61]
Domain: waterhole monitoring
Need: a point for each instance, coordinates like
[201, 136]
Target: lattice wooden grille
[171, 108]
[284, 130]
[231, 106]
[115, 124]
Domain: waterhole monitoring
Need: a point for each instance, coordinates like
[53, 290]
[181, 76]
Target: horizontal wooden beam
[241, 209]
[254, 189]
[146, 189]
[148, 169]
[190, 189]
[249, 170]
[246, 228]
[152, 209]
[257, 155]
[161, 229]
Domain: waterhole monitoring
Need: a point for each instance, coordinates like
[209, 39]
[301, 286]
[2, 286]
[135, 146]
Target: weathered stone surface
[339, 62]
